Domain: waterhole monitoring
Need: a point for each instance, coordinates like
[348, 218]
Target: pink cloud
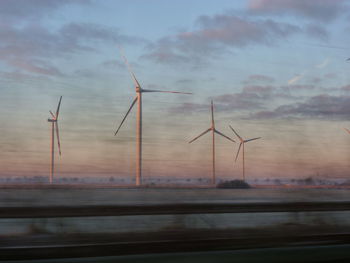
[214, 36]
[317, 31]
[257, 78]
[346, 88]
[18, 11]
[33, 47]
[317, 107]
[322, 10]
[35, 66]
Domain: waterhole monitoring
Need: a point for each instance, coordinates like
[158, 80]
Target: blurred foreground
[193, 225]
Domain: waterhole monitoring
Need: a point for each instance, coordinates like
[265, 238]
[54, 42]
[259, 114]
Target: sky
[275, 69]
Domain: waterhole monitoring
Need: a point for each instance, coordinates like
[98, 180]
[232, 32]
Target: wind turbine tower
[242, 145]
[54, 127]
[213, 130]
[138, 99]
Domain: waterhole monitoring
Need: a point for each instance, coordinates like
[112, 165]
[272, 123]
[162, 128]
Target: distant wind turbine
[54, 126]
[138, 99]
[347, 130]
[213, 130]
[239, 148]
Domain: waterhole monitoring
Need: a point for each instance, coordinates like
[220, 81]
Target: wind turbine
[213, 130]
[54, 126]
[138, 99]
[239, 148]
[347, 130]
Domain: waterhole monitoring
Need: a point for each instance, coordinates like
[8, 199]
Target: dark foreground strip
[310, 254]
[167, 209]
[165, 246]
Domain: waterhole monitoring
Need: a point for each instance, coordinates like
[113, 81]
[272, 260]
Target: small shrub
[277, 181]
[234, 184]
[309, 180]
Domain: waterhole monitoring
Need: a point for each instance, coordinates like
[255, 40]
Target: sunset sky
[274, 68]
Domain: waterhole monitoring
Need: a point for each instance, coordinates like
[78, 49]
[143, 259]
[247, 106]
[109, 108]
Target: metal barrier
[168, 209]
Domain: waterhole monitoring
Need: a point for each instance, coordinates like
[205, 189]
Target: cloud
[27, 41]
[31, 47]
[184, 81]
[19, 11]
[317, 31]
[320, 10]
[164, 52]
[15, 76]
[316, 80]
[240, 101]
[345, 88]
[295, 79]
[79, 32]
[257, 78]
[35, 66]
[320, 107]
[330, 75]
[252, 97]
[324, 63]
[257, 99]
[237, 31]
[28, 44]
[298, 77]
[190, 108]
[296, 87]
[113, 64]
[225, 102]
[214, 36]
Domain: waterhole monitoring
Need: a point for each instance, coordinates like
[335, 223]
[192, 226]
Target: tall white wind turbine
[138, 99]
[239, 148]
[54, 127]
[213, 130]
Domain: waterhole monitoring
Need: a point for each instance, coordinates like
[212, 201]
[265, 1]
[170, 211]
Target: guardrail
[169, 209]
[187, 240]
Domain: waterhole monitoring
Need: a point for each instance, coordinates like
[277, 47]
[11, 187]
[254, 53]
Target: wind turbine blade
[58, 138]
[223, 135]
[126, 115]
[347, 130]
[53, 115]
[200, 135]
[239, 148]
[236, 133]
[164, 91]
[58, 108]
[249, 140]
[137, 84]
